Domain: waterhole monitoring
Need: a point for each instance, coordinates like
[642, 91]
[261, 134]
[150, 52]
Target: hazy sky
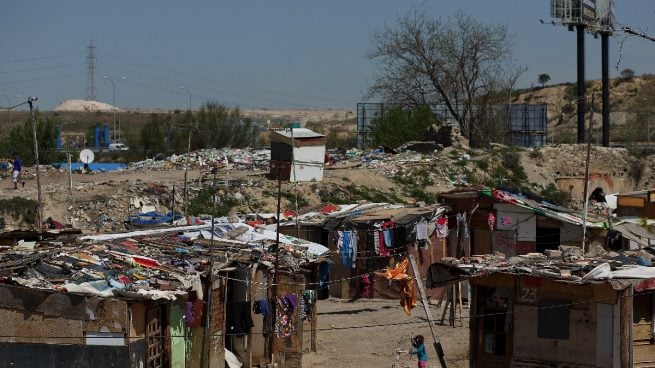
[259, 53]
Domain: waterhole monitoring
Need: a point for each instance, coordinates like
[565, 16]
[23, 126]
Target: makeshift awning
[636, 233]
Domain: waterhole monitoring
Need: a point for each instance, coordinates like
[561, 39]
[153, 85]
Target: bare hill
[629, 105]
[83, 105]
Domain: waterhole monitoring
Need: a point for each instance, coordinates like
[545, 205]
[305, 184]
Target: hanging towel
[376, 242]
[384, 250]
[262, 307]
[284, 326]
[345, 250]
[388, 238]
[421, 230]
[366, 286]
[353, 248]
[442, 227]
[323, 273]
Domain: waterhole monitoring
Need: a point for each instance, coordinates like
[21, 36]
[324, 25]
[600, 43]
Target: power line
[221, 83]
[40, 78]
[40, 68]
[39, 58]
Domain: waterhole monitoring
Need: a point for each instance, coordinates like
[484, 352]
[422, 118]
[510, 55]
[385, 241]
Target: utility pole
[580, 28]
[188, 153]
[39, 219]
[208, 317]
[604, 38]
[113, 102]
[276, 278]
[586, 175]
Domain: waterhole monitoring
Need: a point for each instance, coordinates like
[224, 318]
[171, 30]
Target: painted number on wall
[528, 295]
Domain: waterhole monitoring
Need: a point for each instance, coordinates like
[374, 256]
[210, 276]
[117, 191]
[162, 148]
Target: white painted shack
[297, 154]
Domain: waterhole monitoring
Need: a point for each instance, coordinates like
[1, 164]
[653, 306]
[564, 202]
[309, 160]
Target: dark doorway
[547, 238]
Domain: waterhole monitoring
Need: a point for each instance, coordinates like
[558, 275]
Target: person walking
[16, 171]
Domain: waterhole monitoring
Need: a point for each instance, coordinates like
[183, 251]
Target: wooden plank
[626, 328]
[625, 201]
[604, 334]
[641, 332]
[644, 354]
[426, 308]
[578, 349]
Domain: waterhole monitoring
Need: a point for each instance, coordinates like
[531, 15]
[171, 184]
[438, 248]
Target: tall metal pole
[188, 153]
[208, 317]
[581, 81]
[8, 107]
[39, 216]
[113, 102]
[276, 278]
[604, 37]
[586, 175]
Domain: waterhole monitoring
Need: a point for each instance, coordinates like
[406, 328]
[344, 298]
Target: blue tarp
[151, 218]
[94, 166]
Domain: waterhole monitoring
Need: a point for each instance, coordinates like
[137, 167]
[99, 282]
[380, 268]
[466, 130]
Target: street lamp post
[8, 107]
[188, 153]
[113, 102]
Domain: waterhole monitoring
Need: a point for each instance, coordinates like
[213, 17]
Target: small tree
[399, 125]
[20, 141]
[543, 79]
[627, 73]
[456, 62]
[153, 134]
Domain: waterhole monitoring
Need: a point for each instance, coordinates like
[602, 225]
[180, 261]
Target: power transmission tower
[91, 72]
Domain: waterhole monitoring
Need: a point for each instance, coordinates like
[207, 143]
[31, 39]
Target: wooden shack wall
[217, 326]
[593, 336]
[288, 351]
[258, 343]
[41, 328]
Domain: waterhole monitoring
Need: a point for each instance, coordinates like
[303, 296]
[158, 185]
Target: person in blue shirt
[15, 174]
[418, 349]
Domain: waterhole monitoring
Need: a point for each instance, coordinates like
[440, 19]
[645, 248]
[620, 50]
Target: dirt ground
[366, 333]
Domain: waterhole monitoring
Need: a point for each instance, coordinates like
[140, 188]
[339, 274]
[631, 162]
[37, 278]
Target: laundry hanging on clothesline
[442, 227]
[284, 307]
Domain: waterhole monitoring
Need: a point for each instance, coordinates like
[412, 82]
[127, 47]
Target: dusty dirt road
[366, 333]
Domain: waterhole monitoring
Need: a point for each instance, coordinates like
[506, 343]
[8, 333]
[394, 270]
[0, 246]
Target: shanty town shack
[179, 297]
[538, 311]
[297, 154]
[490, 221]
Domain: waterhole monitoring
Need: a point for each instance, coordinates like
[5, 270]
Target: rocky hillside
[630, 101]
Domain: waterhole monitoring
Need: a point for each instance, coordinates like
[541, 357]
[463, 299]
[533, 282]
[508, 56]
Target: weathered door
[154, 339]
[642, 330]
[493, 329]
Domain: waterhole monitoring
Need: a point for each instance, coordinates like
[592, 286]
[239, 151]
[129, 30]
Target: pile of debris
[237, 159]
[567, 264]
[149, 264]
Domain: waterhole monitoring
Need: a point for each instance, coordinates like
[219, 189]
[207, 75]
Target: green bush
[202, 203]
[482, 164]
[512, 162]
[22, 209]
[552, 194]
